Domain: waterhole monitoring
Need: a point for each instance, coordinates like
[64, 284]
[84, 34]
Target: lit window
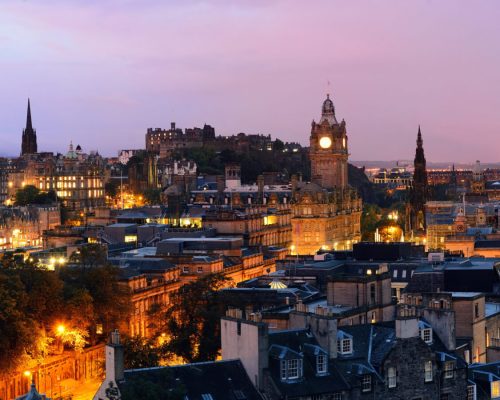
[391, 377]
[337, 396]
[428, 371]
[200, 270]
[495, 389]
[185, 269]
[321, 366]
[366, 383]
[395, 273]
[448, 369]
[404, 274]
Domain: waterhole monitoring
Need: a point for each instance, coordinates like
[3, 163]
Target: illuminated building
[304, 216]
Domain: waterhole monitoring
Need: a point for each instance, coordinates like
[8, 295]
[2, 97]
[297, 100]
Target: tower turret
[328, 149]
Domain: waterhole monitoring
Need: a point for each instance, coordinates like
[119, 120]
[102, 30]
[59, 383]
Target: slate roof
[219, 380]
[487, 244]
[301, 341]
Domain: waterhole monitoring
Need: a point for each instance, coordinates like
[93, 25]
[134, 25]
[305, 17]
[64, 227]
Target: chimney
[172, 126]
[114, 358]
[221, 185]
[294, 181]
[260, 186]
[320, 323]
[406, 323]
[247, 340]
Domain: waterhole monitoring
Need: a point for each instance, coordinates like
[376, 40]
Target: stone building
[323, 214]
[318, 359]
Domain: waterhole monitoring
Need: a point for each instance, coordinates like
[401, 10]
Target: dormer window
[425, 331]
[294, 369]
[344, 343]
[321, 364]
[291, 369]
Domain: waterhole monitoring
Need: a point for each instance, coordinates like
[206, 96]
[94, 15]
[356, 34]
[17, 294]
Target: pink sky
[101, 72]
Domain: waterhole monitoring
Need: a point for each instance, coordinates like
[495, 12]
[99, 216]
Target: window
[337, 396]
[200, 270]
[448, 369]
[185, 270]
[321, 364]
[403, 274]
[395, 273]
[293, 369]
[428, 371]
[426, 335]
[372, 293]
[476, 310]
[391, 377]
[344, 346]
[444, 396]
[495, 389]
[283, 370]
[471, 392]
[366, 383]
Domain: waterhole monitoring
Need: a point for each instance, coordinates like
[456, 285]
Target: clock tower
[328, 149]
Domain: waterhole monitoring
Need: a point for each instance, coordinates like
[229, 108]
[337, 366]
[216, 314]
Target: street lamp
[27, 375]
[60, 329]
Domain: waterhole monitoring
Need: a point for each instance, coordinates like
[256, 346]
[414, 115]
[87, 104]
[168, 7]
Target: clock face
[325, 142]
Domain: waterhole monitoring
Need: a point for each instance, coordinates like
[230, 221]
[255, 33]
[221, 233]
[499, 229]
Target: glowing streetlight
[60, 329]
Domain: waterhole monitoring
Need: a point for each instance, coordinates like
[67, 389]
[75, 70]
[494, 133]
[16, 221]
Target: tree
[111, 188]
[26, 195]
[192, 323]
[91, 255]
[110, 300]
[152, 196]
[32, 195]
[141, 352]
[19, 333]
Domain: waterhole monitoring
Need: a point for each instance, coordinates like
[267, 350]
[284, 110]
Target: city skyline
[196, 63]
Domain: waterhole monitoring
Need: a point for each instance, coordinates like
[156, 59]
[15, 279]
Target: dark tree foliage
[141, 352]
[33, 301]
[192, 323]
[32, 195]
[94, 283]
[152, 196]
[111, 188]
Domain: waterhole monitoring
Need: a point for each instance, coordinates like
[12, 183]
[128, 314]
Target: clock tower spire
[328, 149]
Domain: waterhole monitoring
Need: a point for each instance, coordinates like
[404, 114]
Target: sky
[100, 72]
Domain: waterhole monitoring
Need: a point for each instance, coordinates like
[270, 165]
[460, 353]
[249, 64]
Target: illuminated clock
[325, 142]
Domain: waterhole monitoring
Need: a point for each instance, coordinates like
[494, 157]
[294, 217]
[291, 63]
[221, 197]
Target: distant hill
[359, 180]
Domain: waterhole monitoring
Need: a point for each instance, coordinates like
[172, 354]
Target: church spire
[29, 145]
[420, 142]
[29, 125]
